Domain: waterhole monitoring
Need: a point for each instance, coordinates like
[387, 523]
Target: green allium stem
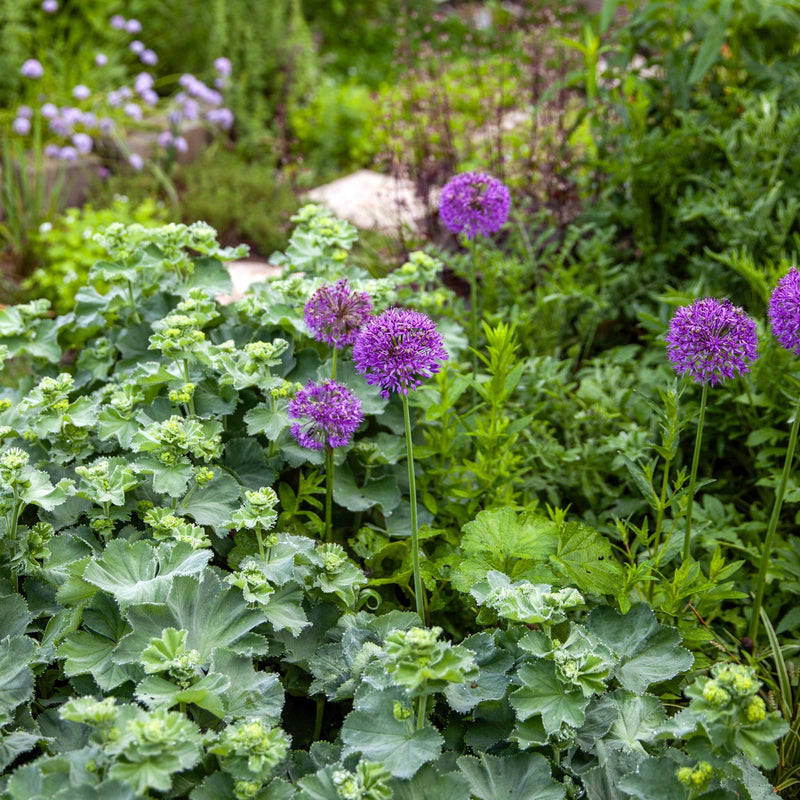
[659, 523]
[328, 494]
[419, 592]
[333, 368]
[693, 476]
[773, 524]
[473, 299]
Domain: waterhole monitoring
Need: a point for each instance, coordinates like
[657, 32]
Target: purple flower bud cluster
[335, 313]
[784, 311]
[32, 69]
[329, 415]
[474, 203]
[711, 340]
[397, 349]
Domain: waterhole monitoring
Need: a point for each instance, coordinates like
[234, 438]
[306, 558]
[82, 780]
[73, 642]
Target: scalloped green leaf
[524, 776]
[16, 677]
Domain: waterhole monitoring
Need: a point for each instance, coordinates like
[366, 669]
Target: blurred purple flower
[106, 125]
[81, 92]
[133, 26]
[32, 69]
[223, 66]
[473, 203]
[191, 109]
[126, 92]
[103, 173]
[118, 22]
[82, 142]
[181, 144]
[397, 349]
[52, 150]
[150, 97]
[133, 111]
[136, 161]
[220, 83]
[711, 340]
[165, 139]
[175, 117]
[25, 111]
[335, 313]
[136, 47]
[222, 117]
[89, 120]
[68, 153]
[21, 126]
[71, 115]
[149, 58]
[59, 126]
[101, 59]
[50, 6]
[142, 82]
[186, 80]
[114, 98]
[784, 311]
[329, 412]
[49, 110]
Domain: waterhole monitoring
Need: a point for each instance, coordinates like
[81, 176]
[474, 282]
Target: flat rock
[372, 201]
[244, 274]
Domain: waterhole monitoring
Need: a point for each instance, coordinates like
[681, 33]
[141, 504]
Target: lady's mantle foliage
[329, 412]
[474, 203]
[397, 349]
[711, 340]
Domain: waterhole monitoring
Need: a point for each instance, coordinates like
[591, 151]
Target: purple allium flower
[50, 6]
[114, 98]
[148, 58]
[223, 66]
[133, 111]
[711, 340]
[136, 161]
[49, 110]
[473, 203]
[32, 69]
[103, 173]
[89, 120]
[181, 145]
[136, 47]
[398, 348]
[82, 142]
[68, 153]
[143, 82]
[81, 92]
[330, 415]
[191, 109]
[52, 150]
[335, 313]
[125, 92]
[118, 22]
[25, 111]
[71, 115]
[133, 26]
[784, 311]
[150, 97]
[21, 126]
[186, 80]
[221, 117]
[101, 59]
[59, 126]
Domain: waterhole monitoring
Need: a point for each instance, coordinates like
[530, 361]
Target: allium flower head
[81, 92]
[329, 412]
[21, 126]
[335, 313]
[397, 349]
[473, 203]
[32, 69]
[711, 340]
[784, 311]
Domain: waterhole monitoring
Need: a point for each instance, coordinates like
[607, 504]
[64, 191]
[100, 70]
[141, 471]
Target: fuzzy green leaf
[543, 693]
[374, 730]
[213, 504]
[208, 693]
[382, 492]
[584, 557]
[522, 776]
[428, 783]
[16, 678]
[654, 777]
[252, 694]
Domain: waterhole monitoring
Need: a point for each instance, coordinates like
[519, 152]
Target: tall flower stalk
[472, 204]
[329, 414]
[784, 317]
[396, 350]
[710, 341]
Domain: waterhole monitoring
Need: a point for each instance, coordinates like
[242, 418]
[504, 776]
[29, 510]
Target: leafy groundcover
[175, 625]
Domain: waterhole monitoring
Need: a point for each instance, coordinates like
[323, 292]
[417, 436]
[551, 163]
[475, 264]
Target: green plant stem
[328, 494]
[659, 523]
[473, 300]
[422, 708]
[260, 544]
[333, 368]
[318, 718]
[186, 378]
[773, 525]
[692, 477]
[419, 592]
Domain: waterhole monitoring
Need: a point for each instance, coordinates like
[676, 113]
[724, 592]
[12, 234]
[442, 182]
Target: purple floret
[329, 412]
[397, 349]
[473, 203]
[335, 313]
[711, 340]
[784, 311]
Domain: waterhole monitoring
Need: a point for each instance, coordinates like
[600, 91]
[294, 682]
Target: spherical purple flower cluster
[329, 412]
[711, 340]
[473, 203]
[397, 349]
[32, 69]
[335, 313]
[784, 311]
